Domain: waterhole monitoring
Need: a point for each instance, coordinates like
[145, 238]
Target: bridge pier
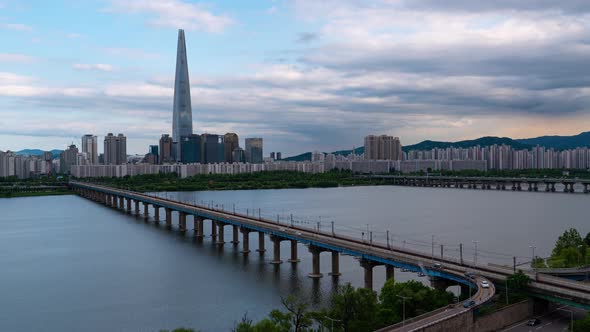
[368, 266]
[235, 239]
[146, 213]
[585, 188]
[315, 261]
[128, 205]
[213, 231]
[156, 214]
[220, 233]
[389, 272]
[182, 222]
[465, 290]
[294, 258]
[276, 241]
[440, 283]
[168, 217]
[136, 207]
[115, 202]
[335, 264]
[199, 232]
[245, 240]
[260, 242]
[121, 202]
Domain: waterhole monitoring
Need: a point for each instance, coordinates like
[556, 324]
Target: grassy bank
[259, 180]
[13, 194]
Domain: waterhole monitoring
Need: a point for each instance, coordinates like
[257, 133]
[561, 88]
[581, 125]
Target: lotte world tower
[182, 118]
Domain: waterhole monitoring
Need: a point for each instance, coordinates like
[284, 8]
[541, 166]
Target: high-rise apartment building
[90, 147]
[254, 150]
[115, 149]
[68, 158]
[238, 155]
[165, 149]
[383, 148]
[182, 117]
[230, 142]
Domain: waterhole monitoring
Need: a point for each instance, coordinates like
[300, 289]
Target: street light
[332, 320]
[403, 308]
[475, 253]
[572, 316]
[432, 257]
[533, 257]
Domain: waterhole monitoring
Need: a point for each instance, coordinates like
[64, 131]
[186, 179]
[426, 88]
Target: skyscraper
[212, 147]
[182, 118]
[90, 147]
[115, 149]
[383, 148]
[231, 142]
[165, 149]
[254, 150]
[190, 149]
[68, 158]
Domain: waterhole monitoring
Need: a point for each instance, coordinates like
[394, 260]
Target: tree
[518, 281]
[570, 238]
[587, 239]
[538, 263]
[582, 324]
[355, 308]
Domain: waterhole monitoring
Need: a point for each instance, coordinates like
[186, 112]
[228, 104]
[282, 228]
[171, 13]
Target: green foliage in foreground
[570, 251]
[352, 309]
[258, 180]
[582, 324]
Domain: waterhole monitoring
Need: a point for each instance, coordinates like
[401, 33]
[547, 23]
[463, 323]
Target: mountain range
[37, 152]
[555, 142]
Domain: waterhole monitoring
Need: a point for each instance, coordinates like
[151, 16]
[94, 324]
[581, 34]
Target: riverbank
[14, 194]
[246, 181]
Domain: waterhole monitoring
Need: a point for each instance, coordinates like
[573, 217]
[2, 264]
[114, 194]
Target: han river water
[69, 264]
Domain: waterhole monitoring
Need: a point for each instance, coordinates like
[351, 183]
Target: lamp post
[432, 256]
[475, 253]
[403, 308]
[533, 257]
[332, 320]
[572, 317]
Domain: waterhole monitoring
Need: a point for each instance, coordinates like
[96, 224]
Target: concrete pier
[182, 221]
[220, 233]
[294, 258]
[168, 217]
[199, 231]
[115, 202]
[245, 240]
[146, 211]
[260, 242]
[368, 266]
[128, 205]
[389, 272]
[121, 202]
[315, 261]
[156, 214]
[335, 264]
[235, 240]
[213, 230]
[276, 243]
[136, 207]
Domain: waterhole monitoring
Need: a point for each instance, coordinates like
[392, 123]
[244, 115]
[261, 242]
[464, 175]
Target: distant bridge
[488, 183]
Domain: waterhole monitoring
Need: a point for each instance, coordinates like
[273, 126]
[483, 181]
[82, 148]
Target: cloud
[131, 53]
[175, 14]
[96, 66]
[16, 58]
[307, 37]
[16, 26]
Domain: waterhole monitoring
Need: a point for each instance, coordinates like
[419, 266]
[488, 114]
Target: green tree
[587, 239]
[570, 238]
[538, 263]
[518, 281]
[582, 324]
[355, 308]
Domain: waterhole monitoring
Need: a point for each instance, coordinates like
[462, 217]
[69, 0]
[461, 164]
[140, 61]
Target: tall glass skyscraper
[182, 118]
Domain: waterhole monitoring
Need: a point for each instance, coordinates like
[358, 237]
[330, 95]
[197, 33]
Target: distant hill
[37, 152]
[560, 142]
[482, 141]
[555, 142]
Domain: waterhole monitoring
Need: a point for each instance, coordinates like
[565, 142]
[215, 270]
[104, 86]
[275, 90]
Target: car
[533, 322]
[485, 284]
[421, 274]
[437, 266]
[469, 274]
[468, 304]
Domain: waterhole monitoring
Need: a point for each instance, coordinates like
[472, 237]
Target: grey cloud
[566, 6]
[307, 37]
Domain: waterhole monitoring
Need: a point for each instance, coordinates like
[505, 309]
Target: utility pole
[404, 307]
[461, 252]
[441, 251]
[514, 264]
[506, 290]
[388, 247]
[475, 253]
[333, 234]
[432, 257]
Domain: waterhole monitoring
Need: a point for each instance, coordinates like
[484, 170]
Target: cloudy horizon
[303, 75]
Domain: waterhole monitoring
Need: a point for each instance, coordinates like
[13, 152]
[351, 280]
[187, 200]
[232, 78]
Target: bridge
[451, 271]
[489, 183]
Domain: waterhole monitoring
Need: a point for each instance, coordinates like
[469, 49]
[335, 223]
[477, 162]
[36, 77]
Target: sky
[302, 74]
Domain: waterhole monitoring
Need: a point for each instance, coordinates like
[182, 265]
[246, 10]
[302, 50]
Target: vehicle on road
[437, 266]
[533, 322]
[420, 274]
[468, 304]
[485, 284]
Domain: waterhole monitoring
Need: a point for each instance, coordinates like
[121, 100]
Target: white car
[485, 284]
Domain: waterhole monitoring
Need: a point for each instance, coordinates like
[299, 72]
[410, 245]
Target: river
[71, 264]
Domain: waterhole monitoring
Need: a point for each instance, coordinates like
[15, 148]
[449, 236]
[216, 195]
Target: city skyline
[316, 81]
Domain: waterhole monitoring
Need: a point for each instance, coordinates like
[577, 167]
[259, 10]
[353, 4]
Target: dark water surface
[68, 264]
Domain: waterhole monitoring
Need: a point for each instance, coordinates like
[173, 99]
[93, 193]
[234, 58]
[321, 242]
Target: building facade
[182, 114]
[383, 147]
[230, 142]
[254, 150]
[90, 147]
[115, 149]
